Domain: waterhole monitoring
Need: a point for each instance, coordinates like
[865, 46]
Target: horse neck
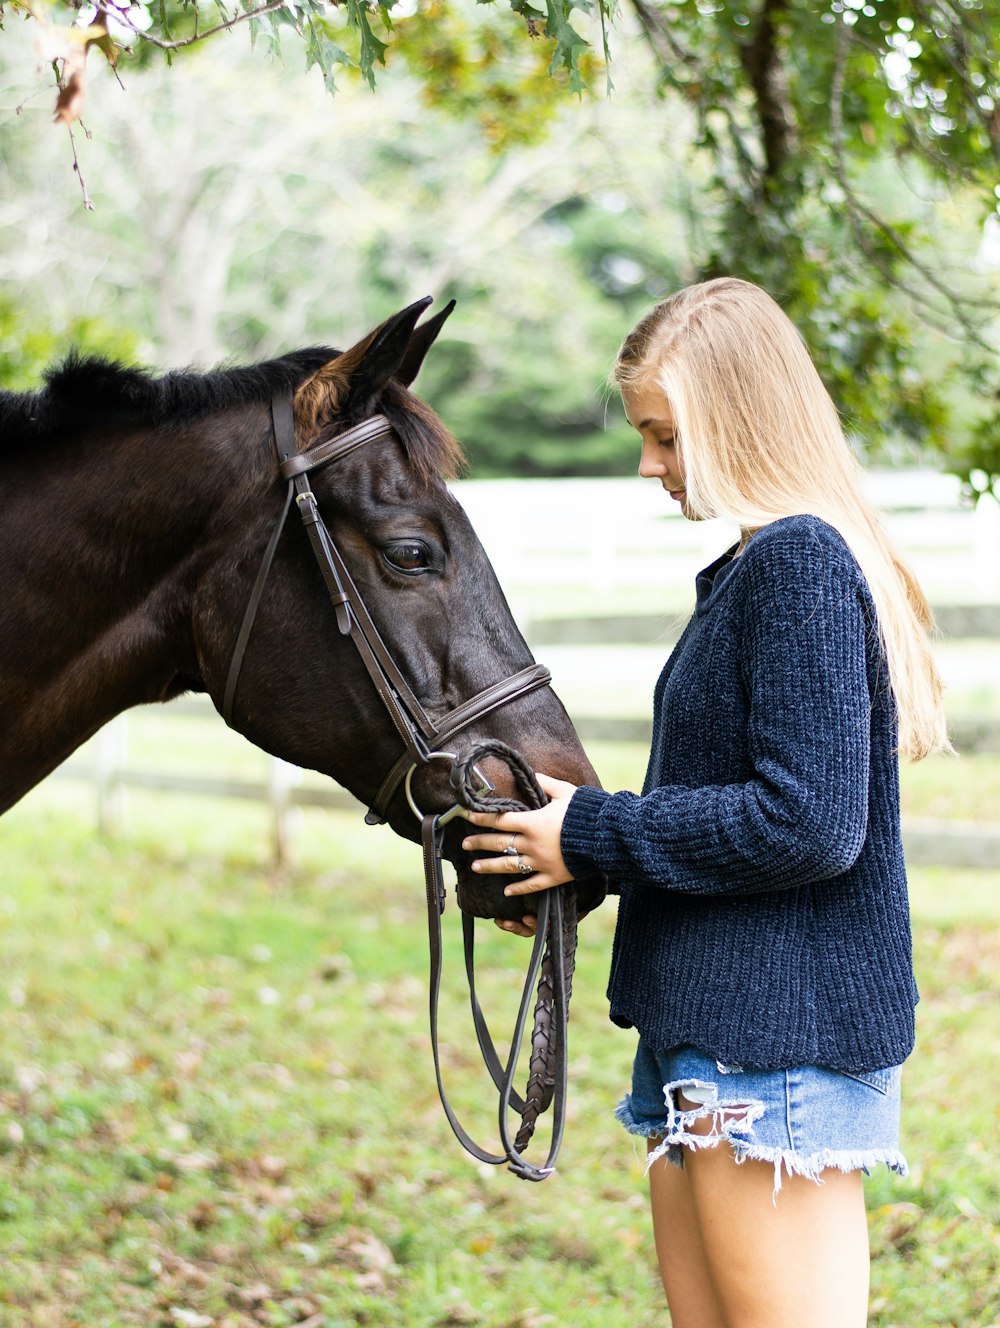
[107, 538]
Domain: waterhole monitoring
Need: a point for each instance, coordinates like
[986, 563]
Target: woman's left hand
[526, 839]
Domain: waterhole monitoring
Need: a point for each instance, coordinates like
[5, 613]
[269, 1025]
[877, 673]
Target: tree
[848, 155]
[844, 155]
[825, 127]
[337, 35]
[234, 229]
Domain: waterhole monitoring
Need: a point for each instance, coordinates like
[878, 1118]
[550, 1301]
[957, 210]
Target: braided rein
[549, 976]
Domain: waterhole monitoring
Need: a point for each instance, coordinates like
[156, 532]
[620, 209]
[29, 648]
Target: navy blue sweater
[763, 914]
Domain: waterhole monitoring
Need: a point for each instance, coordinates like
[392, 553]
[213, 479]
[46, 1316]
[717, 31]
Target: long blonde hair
[761, 439]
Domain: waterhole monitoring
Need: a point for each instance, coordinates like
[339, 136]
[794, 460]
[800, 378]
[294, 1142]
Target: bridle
[424, 740]
[422, 737]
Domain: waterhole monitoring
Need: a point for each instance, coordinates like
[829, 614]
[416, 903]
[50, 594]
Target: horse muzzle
[472, 789]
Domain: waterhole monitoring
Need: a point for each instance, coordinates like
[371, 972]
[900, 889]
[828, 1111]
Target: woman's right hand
[526, 927]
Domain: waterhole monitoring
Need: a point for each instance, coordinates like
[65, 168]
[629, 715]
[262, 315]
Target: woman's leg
[684, 1267]
[802, 1259]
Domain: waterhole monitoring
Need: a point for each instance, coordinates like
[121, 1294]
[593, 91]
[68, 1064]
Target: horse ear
[382, 353]
[420, 343]
[351, 383]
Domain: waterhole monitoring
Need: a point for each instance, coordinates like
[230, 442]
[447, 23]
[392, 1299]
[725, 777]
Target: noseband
[424, 740]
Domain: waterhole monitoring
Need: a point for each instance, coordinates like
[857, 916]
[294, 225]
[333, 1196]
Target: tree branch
[660, 39]
[122, 16]
[88, 202]
[860, 214]
[669, 52]
[761, 58]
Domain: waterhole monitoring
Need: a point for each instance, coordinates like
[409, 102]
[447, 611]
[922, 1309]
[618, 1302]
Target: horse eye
[407, 556]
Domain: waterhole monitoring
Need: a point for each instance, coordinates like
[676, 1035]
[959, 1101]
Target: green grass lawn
[217, 1103]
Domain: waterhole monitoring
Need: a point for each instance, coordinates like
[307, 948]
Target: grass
[217, 1104]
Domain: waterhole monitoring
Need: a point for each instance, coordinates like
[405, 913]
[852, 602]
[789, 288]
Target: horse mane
[87, 393]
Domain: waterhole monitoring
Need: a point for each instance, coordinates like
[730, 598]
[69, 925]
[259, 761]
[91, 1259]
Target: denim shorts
[804, 1120]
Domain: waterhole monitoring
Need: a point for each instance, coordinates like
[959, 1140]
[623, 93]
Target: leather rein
[424, 741]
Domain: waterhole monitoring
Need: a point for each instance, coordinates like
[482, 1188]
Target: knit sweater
[763, 914]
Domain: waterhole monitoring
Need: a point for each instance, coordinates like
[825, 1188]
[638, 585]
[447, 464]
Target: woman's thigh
[680, 1251]
[732, 1254]
[800, 1257]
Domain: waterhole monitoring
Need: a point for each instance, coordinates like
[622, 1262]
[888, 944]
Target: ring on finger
[510, 851]
[523, 867]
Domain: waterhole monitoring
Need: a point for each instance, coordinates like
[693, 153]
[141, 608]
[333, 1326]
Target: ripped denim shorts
[804, 1120]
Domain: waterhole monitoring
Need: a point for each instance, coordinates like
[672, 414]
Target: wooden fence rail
[965, 622]
[928, 843]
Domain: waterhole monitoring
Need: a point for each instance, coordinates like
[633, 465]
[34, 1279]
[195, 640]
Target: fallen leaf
[455, 1316]
[194, 1161]
[254, 1294]
[189, 1318]
[901, 1220]
[274, 1168]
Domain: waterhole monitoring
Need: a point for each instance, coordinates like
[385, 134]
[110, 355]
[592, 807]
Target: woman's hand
[525, 839]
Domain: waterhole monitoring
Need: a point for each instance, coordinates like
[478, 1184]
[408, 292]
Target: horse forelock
[432, 451]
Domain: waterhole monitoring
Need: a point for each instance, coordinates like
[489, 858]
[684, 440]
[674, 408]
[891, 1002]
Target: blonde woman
[762, 948]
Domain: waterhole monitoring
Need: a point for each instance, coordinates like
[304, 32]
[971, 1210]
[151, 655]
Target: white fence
[928, 843]
[607, 537]
[560, 547]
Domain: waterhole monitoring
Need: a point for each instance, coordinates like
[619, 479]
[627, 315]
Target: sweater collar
[709, 583]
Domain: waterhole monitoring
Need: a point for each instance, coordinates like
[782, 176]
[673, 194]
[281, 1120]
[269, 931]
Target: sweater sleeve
[802, 815]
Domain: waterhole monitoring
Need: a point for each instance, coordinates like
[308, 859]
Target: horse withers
[136, 512]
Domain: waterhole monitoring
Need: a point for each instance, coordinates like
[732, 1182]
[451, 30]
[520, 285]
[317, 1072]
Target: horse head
[424, 581]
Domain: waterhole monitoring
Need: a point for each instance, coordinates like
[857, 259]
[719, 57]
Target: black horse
[135, 514]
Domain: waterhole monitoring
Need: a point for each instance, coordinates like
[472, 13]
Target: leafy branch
[864, 218]
[120, 27]
[123, 16]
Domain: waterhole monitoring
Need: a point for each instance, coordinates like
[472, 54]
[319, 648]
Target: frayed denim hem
[645, 1129]
[792, 1163]
[733, 1124]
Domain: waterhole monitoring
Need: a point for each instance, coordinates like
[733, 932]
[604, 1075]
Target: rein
[423, 741]
[551, 966]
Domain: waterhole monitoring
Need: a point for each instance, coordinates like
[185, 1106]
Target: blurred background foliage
[845, 156]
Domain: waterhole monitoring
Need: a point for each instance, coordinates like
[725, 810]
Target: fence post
[111, 759]
[986, 547]
[281, 779]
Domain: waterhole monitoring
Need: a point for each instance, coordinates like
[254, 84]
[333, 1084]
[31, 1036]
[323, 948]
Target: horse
[147, 552]
[136, 513]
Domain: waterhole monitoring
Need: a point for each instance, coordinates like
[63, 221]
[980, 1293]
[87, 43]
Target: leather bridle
[422, 737]
[424, 740]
